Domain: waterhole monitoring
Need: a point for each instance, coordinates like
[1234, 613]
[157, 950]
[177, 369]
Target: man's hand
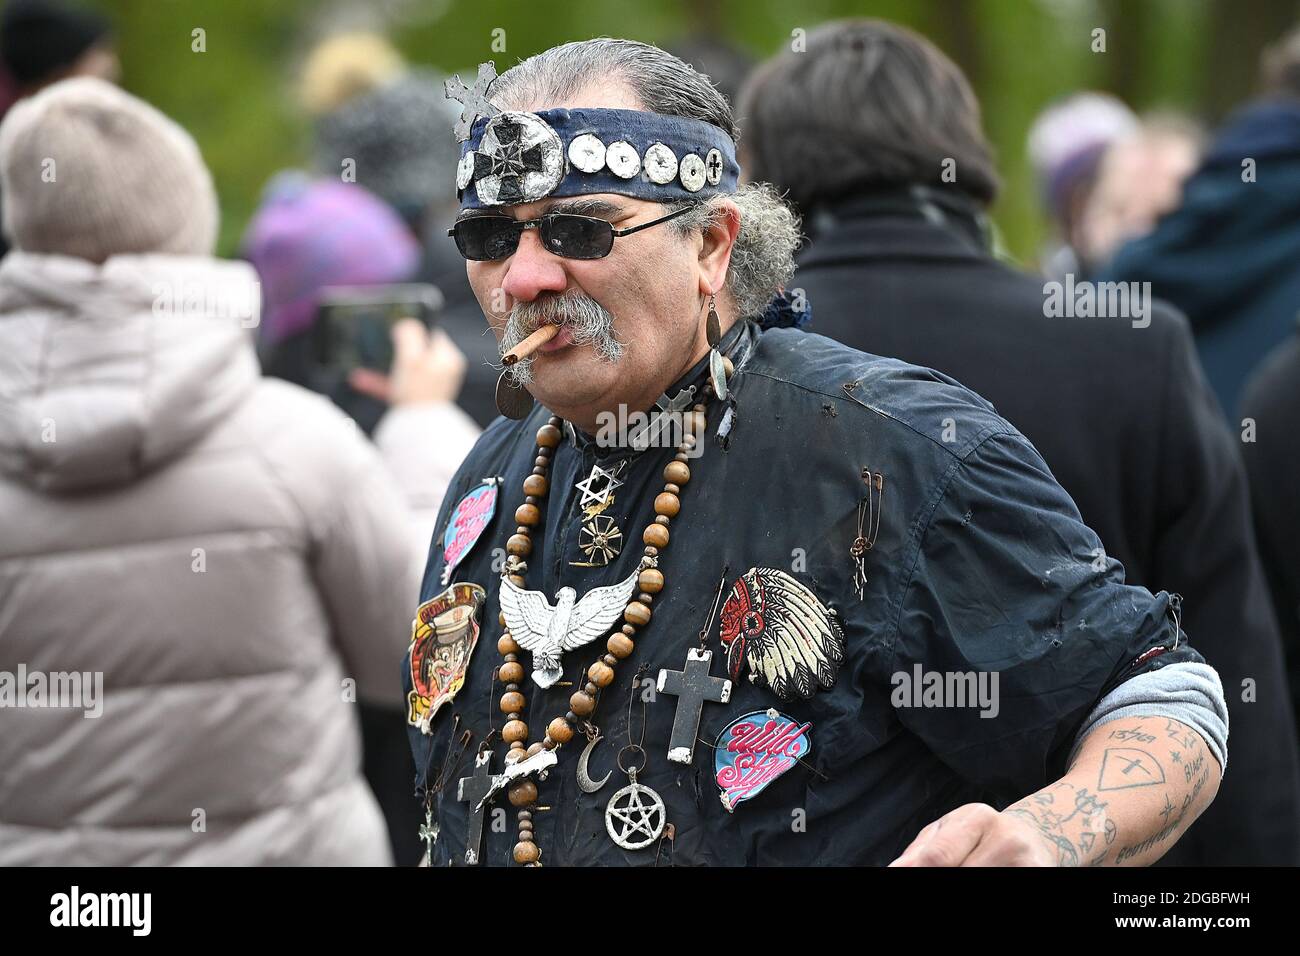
[1135, 786]
[977, 835]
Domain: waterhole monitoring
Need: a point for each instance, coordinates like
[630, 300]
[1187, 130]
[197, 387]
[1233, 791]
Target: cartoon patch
[443, 636]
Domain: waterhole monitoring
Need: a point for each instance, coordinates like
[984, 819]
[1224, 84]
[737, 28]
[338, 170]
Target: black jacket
[981, 565]
[1272, 401]
[1126, 423]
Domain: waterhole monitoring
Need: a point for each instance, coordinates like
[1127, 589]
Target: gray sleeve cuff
[1186, 692]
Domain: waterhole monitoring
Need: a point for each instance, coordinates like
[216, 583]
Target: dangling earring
[717, 368]
[713, 327]
[513, 400]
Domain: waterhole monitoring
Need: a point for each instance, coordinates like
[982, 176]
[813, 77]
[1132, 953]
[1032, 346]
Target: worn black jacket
[981, 564]
[1126, 423]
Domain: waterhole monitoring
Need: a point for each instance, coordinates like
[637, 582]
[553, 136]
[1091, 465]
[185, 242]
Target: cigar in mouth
[531, 344]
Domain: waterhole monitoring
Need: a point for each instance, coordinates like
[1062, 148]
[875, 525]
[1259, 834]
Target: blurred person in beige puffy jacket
[225, 550]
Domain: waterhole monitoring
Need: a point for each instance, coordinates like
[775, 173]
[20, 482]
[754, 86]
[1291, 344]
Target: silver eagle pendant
[548, 631]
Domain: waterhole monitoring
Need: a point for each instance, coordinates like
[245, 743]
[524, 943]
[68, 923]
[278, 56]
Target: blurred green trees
[1198, 56]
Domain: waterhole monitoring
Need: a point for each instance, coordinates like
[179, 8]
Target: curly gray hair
[762, 260]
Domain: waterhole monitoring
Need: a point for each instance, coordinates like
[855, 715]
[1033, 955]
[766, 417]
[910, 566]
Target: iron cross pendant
[692, 686]
[473, 790]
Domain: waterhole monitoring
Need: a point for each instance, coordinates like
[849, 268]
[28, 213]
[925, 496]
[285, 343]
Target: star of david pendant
[635, 816]
[597, 487]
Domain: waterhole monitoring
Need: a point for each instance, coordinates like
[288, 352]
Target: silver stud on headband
[587, 153]
[660, 164]
[622, 159]
[691, 173]
[713, 167]
[522, 160]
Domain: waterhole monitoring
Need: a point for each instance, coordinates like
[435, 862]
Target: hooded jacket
[222, 556]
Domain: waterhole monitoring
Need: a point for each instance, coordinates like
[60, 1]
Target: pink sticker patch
[471, 516]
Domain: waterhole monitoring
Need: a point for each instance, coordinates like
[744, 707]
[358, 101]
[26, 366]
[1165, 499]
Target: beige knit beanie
[88, 170]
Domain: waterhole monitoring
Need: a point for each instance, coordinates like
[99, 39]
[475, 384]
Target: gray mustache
[588, 322]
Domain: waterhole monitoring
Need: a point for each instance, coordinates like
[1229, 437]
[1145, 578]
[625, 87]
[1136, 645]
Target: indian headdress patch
[789, 639]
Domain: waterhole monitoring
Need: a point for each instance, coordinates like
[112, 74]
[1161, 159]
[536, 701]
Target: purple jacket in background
[313, 233]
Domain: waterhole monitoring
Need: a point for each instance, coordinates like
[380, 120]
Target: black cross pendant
[692, 686]
[472, 790]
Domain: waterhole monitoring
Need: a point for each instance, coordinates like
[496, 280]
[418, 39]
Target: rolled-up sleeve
[1008, 581]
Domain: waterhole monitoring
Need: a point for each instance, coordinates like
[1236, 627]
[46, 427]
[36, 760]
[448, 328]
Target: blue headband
[515, 157]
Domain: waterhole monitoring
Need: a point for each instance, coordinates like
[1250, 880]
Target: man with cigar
[688, 643]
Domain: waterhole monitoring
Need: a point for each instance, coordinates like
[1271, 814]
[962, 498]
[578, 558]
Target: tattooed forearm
[1080, 831]
[1144, 779]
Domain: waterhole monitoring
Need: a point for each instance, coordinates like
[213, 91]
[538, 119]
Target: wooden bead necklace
[522, 793]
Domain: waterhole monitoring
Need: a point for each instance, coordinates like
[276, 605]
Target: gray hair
[762, 259]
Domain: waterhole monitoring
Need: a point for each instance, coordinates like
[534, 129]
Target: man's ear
[715, 250]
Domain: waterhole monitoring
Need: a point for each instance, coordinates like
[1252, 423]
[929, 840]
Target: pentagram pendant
[635, 816]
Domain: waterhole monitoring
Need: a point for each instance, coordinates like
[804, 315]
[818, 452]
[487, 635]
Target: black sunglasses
[484, 238]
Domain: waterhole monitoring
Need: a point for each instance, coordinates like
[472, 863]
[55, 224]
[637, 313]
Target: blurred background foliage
[237, 97]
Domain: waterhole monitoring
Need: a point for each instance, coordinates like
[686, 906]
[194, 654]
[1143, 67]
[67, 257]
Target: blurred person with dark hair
[1067, 144]
[387, 126]
[1229, 255]
[43, 41]
[1270, 410]
[224, 554]
[859, 129]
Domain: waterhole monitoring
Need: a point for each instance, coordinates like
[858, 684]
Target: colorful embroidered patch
[753, 750]
[443, 636]
[468, 520]
[792, 643]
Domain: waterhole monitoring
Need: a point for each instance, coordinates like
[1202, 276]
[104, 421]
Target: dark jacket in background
[463, 320]
[1229, 257]
[1272, 399]
[1125, 421]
